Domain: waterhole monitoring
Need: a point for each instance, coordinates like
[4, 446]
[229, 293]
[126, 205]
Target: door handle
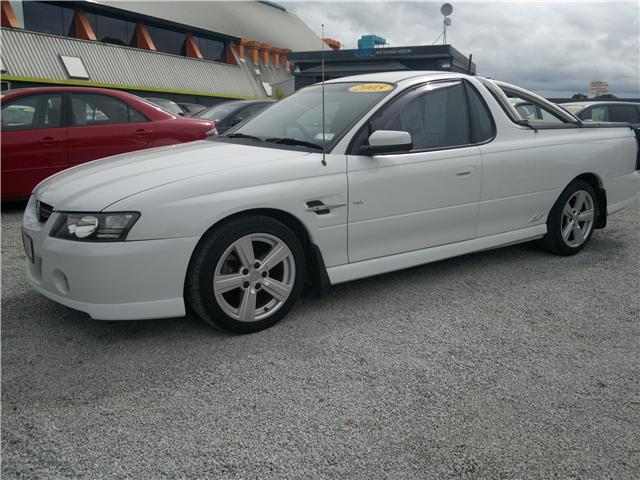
[142, 131]
[50, 140]
[465, 173]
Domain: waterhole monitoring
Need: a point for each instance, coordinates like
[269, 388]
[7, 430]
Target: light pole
[446, 10]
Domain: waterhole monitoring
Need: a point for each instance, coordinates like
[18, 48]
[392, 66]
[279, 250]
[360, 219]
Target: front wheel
[246, 275]
[571, 220]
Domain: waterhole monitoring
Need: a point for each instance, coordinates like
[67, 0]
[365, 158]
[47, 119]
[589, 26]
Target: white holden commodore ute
[406, 168]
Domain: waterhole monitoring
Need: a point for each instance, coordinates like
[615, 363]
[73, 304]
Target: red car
[45, 130]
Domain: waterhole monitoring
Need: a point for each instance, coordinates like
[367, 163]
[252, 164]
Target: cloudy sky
[552, 48]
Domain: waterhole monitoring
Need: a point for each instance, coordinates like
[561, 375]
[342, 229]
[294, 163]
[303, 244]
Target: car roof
[65, 89]
[603, 102]
[397, 77]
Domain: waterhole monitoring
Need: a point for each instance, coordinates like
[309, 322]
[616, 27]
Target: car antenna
[324, 160]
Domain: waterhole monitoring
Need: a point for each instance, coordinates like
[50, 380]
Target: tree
[579, 96]
[606, 96]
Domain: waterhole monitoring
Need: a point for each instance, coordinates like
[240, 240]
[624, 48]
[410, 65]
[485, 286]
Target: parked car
[405, 169]
[191, 109]
[230, 114]
[605, 111]
[45, 130]
[169, 105]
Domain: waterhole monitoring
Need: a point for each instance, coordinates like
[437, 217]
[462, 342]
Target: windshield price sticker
[327, 136]
[371, 87]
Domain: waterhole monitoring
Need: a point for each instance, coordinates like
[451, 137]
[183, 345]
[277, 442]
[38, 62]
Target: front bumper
[112, 280]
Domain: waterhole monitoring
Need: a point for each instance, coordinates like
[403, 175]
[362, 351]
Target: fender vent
[44, 211]
[318, 207]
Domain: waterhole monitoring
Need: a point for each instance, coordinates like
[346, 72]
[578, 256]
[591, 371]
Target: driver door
[428, 196]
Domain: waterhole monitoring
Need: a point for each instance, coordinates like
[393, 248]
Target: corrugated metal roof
[270, 73]
[36, 55]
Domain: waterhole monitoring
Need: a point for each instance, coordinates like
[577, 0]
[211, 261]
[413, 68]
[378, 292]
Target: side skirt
[376, 266]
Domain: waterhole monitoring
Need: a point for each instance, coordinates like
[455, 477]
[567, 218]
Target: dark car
[48, 129]
[605, 111]
[191, 109]
[230, 114]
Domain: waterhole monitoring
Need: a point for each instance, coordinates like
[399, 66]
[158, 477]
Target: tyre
[246, 275]
[571, 220]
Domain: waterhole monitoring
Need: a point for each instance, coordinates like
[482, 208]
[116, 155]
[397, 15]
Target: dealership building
[201, 52]
[189, 51]
[370, 58]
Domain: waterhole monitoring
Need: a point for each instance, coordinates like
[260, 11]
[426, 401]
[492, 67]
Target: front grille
[44, 211]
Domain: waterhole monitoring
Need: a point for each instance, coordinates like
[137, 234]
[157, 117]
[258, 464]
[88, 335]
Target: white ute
[420, 166]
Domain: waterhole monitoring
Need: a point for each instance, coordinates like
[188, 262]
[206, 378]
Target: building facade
[201, 52]
[342, 63]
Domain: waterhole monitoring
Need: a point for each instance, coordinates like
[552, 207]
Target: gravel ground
[507, 364]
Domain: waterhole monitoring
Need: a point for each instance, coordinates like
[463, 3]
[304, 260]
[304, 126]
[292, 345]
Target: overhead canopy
[348, 68]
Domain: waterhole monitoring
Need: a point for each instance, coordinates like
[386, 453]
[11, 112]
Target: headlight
[94, 227]
[30, 212]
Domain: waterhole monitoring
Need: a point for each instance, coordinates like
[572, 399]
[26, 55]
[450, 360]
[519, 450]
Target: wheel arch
[317, 276]
[596, 183]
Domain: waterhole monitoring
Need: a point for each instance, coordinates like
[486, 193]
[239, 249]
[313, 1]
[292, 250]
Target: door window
[435, 115]
[599, 113]
[548, 116]
[135, 116]
[527, 111]
[530, 110]
[623, 113]
[32, 112]
[96, 109]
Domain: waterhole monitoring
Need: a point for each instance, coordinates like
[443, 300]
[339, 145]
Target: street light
[446, 10]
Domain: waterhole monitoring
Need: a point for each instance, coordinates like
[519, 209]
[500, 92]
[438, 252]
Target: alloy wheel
[577, 219]
[254, 277]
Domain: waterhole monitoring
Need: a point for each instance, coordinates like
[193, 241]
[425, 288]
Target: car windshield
[219, 112]
[297, 120]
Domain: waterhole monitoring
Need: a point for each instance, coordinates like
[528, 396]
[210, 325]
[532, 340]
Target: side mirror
[387, 141]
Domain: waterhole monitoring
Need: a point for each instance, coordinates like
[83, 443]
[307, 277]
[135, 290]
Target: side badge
[536, 217]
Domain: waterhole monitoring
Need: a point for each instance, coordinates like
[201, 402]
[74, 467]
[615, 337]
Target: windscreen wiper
[293, 141]
[243, 135]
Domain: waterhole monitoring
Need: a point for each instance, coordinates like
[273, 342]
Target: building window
[112, 30]
[59, 20]
[167, 41]
[47, 18]
[211, 49]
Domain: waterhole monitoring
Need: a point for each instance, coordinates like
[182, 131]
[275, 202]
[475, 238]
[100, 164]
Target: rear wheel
[246, 275]
[571, 220]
